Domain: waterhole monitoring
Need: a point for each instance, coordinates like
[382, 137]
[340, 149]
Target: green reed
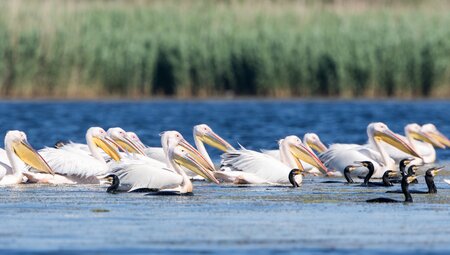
[206, 48]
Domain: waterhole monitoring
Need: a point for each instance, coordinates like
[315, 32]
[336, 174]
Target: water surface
[314, 219]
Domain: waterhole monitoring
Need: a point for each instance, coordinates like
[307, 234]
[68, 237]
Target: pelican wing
[138, 175]
[155, 153]
[72, 161]
[273, 153]
[339, 156]
[261, 165]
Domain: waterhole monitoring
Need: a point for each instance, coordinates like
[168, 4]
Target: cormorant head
[292, 175]
[433, 171]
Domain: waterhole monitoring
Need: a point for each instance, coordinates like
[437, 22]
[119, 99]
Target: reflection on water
[314, 219]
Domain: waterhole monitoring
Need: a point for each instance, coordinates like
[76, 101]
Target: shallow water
[314, 219]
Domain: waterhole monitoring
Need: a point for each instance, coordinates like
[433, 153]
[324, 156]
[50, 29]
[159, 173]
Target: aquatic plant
[203, 48]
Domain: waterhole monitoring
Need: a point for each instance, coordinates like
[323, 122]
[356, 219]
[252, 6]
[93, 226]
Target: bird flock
[121, 160]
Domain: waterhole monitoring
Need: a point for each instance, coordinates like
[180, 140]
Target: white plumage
[69, 160]
[256, 168]
[339, 156]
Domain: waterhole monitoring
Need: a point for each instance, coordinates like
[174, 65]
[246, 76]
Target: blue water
[314, 219]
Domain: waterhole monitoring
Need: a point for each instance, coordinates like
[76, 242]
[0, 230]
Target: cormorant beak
[360, 163]
[31, 157]
[392, 174]
[441, 138]
[408, 161]
[301, 152]
[215, 141]
[437, 170]
[127, 144]
[411, 178]
[428, 138]
[189, 159]
[108, 145]
[389, 137]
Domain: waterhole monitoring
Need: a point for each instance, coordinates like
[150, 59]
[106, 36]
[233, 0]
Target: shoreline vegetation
[224, 49]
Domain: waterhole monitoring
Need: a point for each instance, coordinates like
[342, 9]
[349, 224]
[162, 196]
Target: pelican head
[301, 152]
[100, 139]
[205, 134]
[184, 154]
[16, 141]
[121, 137]
[432, 131]
[415, 131]
[135, 138]
[313, 141]
[380, 132]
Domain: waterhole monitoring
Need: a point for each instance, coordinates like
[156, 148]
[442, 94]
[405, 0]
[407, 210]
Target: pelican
[138, 174]
[311, 141]
[76, 165]
[421, 139]
[17, 155]
[251, 167]
[338, 156]
[202, 134]
[135, 138]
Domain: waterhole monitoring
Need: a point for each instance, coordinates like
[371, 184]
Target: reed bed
[84, 49]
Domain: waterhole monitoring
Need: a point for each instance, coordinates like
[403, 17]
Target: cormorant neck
[405, 189]
[430, 184]
[369, 174]
[114, 185]
[292, 178]
[386, 180]
[347, 175]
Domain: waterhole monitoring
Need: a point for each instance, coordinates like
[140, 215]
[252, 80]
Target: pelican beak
[317, 146]
[389, 137]
[109, 146]
[31, 157]
[441, 138]
[127, 144]
[428, 138]
[216, 141]
[411, 178]
[301, 152]
[191, 162]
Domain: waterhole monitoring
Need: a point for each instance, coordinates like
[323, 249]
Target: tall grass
[206, 48]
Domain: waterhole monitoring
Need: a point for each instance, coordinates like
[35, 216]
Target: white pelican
[251, 167]
[311, 141]
[202, 133]
[422, 140]
[338, 156]
[14, 159]
[135, 138]
[138, 174]
[76, 165]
